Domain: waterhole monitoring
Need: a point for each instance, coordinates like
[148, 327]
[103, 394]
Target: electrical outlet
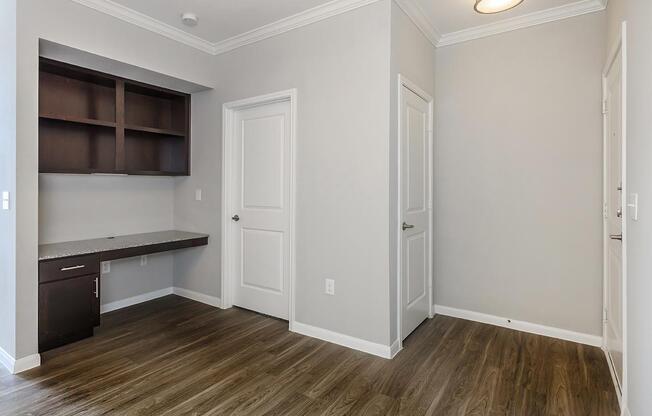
[143, 260]
[198, 195]
[330, 287]
[106, 267]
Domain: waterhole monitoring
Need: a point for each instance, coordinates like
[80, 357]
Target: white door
[415, 210]
[260, 243]
[614, 217]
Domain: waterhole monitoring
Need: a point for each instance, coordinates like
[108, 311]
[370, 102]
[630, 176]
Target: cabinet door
[67, 311]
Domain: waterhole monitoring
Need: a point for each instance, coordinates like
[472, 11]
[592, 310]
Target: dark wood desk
[69, 279]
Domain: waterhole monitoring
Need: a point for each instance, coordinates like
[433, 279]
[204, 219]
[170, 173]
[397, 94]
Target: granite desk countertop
[100, 245]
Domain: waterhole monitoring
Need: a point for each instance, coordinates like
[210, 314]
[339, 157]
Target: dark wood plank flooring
[173, 356]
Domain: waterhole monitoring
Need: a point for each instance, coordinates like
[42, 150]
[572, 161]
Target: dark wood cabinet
[90, 122]
[68, 311]
[69, 300]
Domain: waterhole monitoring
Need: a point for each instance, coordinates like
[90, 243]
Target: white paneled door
[614, 216]
[415, 210]
[260, 175]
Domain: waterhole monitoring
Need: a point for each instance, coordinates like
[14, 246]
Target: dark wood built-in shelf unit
[91, 122]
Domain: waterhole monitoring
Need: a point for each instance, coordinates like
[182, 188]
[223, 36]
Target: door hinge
[604, 315]
[605, 110]
[605, 211]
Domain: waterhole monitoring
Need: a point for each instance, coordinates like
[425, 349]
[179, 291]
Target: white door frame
[405, 82]
[228, 118]
[619, 48]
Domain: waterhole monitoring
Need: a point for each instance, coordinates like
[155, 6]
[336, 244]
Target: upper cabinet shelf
[97, 123]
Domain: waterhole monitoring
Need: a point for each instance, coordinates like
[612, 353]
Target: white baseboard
[145, 297]
[612, 371]
[380, 350]
[548, 331]
[199, 297]
[395, 348]
[22, 364]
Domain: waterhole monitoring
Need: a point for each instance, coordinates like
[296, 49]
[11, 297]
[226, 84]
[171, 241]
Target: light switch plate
[5, 200]
[633, 206]
[330, 287]
[198, 195]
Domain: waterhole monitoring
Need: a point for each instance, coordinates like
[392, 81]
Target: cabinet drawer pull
[65, 269]
[97, 288]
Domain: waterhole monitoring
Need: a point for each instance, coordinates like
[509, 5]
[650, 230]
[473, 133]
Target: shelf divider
[120, 128]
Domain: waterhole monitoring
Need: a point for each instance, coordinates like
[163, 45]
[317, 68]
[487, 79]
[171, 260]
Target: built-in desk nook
[106, 145]
[69, 279]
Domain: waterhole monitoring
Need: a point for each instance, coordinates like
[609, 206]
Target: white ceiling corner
[315, 14]
[420, 18]
[422, 12]
[330, 9]
[520, 22]
[425, 20]
[146, 22]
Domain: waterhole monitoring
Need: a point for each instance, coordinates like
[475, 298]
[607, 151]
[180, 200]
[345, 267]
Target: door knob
[235, 218]
[616, 237]
[406, 226]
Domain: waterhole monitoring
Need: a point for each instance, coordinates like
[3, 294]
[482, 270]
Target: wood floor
[173, 356]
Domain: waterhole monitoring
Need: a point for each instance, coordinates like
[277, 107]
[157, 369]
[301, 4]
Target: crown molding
[520, 22]
[298, 20]
[420, 18]
[143, 21]
[324, 11]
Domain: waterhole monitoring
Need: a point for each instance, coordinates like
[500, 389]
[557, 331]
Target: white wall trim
[420, 18]
[134, 300]
[614, 379]
[146, 297]
[146, 22]
[198, 297]
[321, 12]
[324, 11]
[520, 22]
[618, 49]
[380, 350]
[548, 331]
[334, 8]
[395, 348]
[22, 364]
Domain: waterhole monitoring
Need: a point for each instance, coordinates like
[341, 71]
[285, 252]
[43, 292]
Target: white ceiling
[221, 19]
[228, 24]
[454, 15]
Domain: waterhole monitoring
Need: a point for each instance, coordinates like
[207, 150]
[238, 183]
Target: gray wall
[8, 175]
[638, 14]
[518, 168]
[340, 67]
[75, 207]
[200, 270]
[413, 56]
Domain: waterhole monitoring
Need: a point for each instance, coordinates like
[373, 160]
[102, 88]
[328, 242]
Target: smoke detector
[189, 19]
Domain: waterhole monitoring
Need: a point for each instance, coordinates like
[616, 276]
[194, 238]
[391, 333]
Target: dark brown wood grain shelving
[90, 122]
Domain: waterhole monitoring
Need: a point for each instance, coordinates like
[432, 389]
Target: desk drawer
[53, 270]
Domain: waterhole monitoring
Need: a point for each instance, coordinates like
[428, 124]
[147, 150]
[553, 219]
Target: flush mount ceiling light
[495, 6]
[189, 19]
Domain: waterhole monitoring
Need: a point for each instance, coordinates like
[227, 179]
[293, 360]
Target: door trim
[405, 82]
[228, 115]
[620, 48]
